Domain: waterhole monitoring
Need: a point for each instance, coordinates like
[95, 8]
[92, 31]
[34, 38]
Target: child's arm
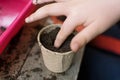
[95, 15]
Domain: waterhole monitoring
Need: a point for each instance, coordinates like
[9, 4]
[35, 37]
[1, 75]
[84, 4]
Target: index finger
[55, 9]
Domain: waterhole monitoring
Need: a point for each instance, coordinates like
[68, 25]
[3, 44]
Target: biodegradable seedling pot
[55, 61]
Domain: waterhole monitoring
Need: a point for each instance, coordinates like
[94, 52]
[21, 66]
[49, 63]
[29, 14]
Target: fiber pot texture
[57, 62]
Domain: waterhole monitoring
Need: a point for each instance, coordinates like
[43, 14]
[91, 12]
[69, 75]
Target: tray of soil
[55, 59]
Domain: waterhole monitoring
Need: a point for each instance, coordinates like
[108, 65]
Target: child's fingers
[55, 9]
[66, 29]
[83, 37]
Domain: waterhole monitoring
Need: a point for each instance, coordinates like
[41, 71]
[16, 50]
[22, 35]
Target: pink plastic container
[12, 15]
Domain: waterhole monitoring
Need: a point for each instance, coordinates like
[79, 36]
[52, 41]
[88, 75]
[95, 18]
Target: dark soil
[47, 39]
[61, 18]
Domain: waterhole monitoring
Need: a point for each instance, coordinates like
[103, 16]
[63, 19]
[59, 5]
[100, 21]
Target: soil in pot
[47, 40]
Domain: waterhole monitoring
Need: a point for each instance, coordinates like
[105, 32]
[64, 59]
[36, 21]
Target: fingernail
[75, 47]
[57, 45]
[37, 2]
[34, 1]
[27, 20]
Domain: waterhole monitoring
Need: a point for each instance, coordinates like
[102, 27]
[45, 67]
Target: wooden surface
[22, 58]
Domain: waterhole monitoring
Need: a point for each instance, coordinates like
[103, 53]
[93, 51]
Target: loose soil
[47, 40]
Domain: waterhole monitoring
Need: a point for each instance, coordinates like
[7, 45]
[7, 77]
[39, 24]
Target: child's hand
[95, 15]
